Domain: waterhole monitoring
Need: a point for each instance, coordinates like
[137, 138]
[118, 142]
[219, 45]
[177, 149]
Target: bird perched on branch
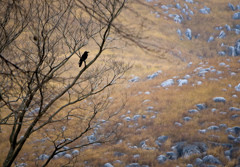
[83, 58]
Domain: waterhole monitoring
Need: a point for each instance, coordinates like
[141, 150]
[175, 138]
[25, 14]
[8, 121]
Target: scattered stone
[179, 32]
[210, 39]
[75, 152]
[171, 155]
[193, 111]
[119, 154]
[222, 64]
[187, 119]
[237, 88]
[167, 83]
[234, 109]
[161, 159]
[198, 162]
[221, 53]
[189, 1]
[211, 159]
[21, 165]
[162, 139]
[154, 75]
[199, 82]
[236, 16]
[231, 6]
[213, 127]
[108, 165]
[187, 76]
[133, 165]
[134, 79]
[237, 47]
[164, 7]
[219, 99]
[203, 131]
[68, 156]
[43, 157]
[92, 138]
[231, 51]
[201, 106]
[189, 165]
[235, 130]
[222, 35]
[205, 10]
[228, 28]
[127, 119]
[182, 82]
[178, 6]
[188, 34]
[178, 124]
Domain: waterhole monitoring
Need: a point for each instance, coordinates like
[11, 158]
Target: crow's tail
[80, 63]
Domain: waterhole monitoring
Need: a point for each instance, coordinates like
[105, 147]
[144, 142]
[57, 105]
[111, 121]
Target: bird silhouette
[83, 58]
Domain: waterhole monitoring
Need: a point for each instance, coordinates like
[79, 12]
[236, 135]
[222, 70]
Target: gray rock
[136, 117]
[222, 64]
[222, 35]
[234, 116]
[108, 165]
[75, 152]
[219, 28]
[236, 16]
[164, 7]
[162, 139]
[193, 111]
[133, 165]
[221, 53]
[231, 6]
[234, 109]
[187, 76]
[237, 47]
[187, 119]
[161, 159]
[134, 79]
[179, 32]
[68, 156]
[210, 39]
[190, 150]
[189, 165]
[213, 127]
[171, 155]
[219, 99]
[205, 10]
[154, 75]
[198, 162]
[203, 131]
[92, 138]
[119, 154]
[182, 82]
[228, 28]
[178, 6]
[231, 51]
[231, 137]
[178, 124]
[167, 83]
[201, 106]
[189, 1]
[21, 165]
[237, 88]
[211, 159]
[127, 119]
[188, 33]
[178, 19]
[43, 157]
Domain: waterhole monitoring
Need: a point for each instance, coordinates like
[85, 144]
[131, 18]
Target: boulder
[136, 117]
[134, 79]
[188, 33]
[222, 64]
[133, 165]
[68, 156]
[167, 83]
[189, 165]
[75, 152]
[210, 159]
[189, 1]
[161, 159]
[164, 7]
[213, 127]
[237, 88]
[190, 150]
[236, 16]
[219, 99]
[92, 138]
[198, 162]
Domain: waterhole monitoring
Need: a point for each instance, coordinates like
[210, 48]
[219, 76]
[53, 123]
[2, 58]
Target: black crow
[83, 58]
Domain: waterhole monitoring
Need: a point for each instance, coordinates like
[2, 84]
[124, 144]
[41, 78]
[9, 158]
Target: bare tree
[40, 89]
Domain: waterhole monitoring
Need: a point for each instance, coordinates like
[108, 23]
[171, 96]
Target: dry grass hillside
[173, 125]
